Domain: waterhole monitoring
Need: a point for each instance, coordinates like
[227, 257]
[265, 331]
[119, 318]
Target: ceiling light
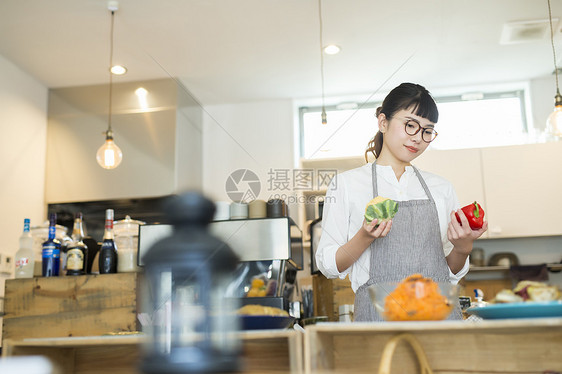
[141, 94]
[554, 121]
[332, 49]
[118, 70]
[109, 155]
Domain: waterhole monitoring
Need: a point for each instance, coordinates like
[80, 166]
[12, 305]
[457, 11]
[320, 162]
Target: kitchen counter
[507, 346]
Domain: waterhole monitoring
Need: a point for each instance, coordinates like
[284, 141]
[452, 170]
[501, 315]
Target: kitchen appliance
[267, 247]
[315, 232]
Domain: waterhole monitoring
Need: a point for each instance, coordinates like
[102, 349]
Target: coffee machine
[269, 249]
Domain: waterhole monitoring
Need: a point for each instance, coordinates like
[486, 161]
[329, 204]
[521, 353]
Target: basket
[388, 352]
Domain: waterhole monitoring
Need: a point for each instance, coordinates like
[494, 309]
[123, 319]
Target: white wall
[23, 127]
[257, 136]
[189, 138]
[542, 91]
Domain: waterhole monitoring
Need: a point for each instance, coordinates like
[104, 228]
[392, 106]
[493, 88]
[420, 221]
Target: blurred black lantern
[194, 323]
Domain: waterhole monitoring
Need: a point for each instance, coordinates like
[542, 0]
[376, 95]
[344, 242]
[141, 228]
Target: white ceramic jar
[127, 242]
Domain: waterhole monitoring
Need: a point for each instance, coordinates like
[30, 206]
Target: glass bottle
[25, 258]
[108, 251]
[51, 250]
[77, 252]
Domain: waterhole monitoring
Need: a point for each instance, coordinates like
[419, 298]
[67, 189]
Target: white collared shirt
[344, 209]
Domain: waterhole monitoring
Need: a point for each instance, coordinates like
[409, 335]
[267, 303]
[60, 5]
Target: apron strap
[374, 179]
[424, 185]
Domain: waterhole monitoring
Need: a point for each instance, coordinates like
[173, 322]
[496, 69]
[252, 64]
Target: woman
[424, 236]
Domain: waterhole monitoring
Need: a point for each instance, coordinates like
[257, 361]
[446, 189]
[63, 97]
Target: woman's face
[403, 147]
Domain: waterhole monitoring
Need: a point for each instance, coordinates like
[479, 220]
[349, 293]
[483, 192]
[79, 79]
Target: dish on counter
[415, 298]
[528, 299]
[528, 291]
[261, 317]
[529, 309]
[265, 322]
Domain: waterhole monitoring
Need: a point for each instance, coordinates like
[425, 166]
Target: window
[483, 121]
[468, 121]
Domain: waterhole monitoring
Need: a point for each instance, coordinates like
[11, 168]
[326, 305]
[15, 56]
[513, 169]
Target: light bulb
[554, 121]
[109, 155]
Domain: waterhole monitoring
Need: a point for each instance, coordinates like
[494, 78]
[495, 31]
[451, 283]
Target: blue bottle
[51, 250]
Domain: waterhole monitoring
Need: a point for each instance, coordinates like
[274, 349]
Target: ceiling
[227, 51]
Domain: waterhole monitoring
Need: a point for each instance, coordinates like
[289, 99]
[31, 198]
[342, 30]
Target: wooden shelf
[478, 269]
[263, 351]
[507, 346]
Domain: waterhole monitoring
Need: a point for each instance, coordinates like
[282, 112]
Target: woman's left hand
[461, 235]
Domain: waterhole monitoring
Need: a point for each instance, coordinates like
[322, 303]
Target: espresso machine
[270, 249]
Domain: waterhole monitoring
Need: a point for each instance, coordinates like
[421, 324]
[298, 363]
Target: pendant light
[324, 115]
[554, 121]
[109, 155]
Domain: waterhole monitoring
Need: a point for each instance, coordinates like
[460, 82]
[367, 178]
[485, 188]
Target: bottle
[25, 258]
[51, 250]
[108, 251]
[77, 252]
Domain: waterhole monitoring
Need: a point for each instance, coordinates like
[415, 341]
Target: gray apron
[413, 245]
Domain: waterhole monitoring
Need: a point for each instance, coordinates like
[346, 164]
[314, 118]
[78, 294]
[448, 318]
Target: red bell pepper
[475, 215]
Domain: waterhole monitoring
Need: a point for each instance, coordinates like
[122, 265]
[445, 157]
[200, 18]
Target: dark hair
[405, 96]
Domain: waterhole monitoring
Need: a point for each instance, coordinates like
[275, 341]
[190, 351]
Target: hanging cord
[553, 49]
[324, 116]
[109, 133]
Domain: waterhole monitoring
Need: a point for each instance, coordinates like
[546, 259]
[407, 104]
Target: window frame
[515, 93]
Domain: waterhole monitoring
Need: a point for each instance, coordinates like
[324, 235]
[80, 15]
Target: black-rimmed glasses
[412, 128]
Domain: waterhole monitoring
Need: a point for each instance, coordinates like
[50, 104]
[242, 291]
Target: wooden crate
[506, 346]
[266, 351]
[329, 294]
[70, 306]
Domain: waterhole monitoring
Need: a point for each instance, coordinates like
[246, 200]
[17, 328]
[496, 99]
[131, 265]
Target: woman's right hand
[348, 253]
[373, 231]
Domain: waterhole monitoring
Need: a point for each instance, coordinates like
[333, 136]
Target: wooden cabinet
[519, 186]
[330, 294]
[461, 167]
[523, 189]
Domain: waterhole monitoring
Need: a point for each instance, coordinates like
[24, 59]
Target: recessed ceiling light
[118, 70]
[332, 49]
[141, 93]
